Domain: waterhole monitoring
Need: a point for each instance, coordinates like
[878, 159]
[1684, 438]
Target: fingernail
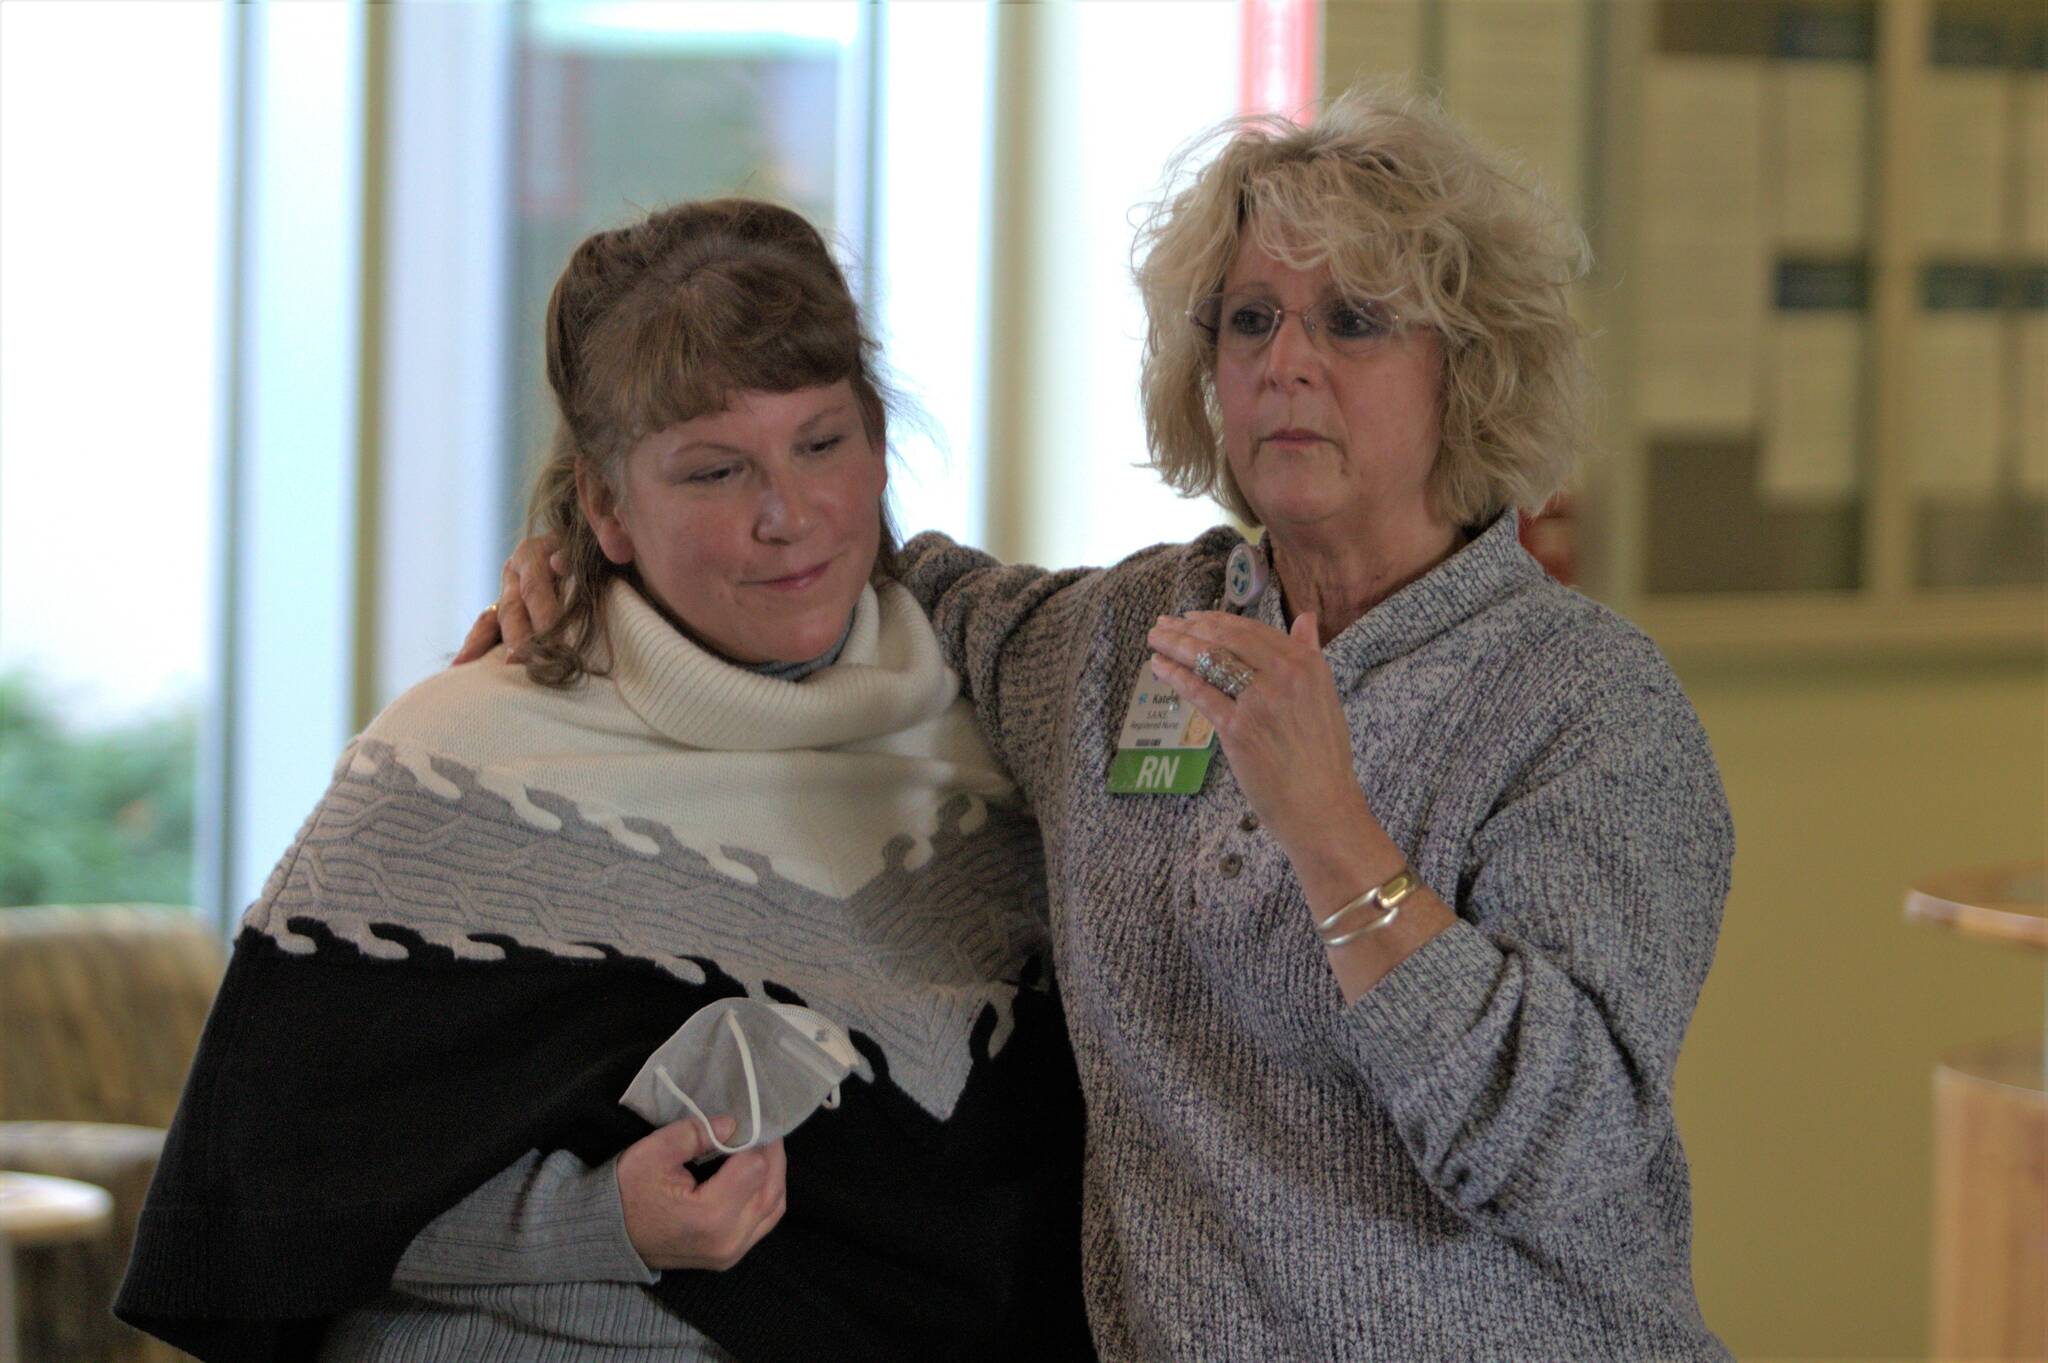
[723, 1127]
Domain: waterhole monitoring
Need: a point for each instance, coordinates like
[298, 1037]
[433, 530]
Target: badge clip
[1244, 578]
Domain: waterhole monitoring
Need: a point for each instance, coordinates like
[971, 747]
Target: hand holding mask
[767, 1065]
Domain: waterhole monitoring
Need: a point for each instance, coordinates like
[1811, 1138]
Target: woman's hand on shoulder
[529, 600]
[676, 1221]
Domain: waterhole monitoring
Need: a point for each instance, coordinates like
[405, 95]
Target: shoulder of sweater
[1594, 687]
[1581, 646]
[488, 707]
[1214, 543]
[932, 559]
[1210, 548]
[928, 542]
[1168, 569]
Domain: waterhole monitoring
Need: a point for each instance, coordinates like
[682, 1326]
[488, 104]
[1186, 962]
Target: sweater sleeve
[543, 1219]
[1525, 1054]
[1010, 631]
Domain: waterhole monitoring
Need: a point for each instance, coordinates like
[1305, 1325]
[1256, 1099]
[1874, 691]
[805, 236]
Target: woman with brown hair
[728, 848]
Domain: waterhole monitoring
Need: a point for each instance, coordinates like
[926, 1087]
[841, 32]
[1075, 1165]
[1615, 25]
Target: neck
[1342, 576]
[797, 671]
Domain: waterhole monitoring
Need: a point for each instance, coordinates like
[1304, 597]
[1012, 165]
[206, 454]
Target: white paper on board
[1705, 256]
[1811, 435]
[1514, 73]
[2031, 156]
[1964, 161]
[1955, 424]
[1822, 122]
[2030, 356]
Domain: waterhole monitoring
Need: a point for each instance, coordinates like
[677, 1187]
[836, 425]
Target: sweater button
[1249, 823]
[1231, 864]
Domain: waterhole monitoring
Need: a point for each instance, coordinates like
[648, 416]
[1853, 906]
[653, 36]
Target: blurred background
[271, 279]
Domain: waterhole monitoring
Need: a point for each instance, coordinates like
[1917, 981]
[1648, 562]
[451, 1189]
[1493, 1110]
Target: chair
[100, 1012]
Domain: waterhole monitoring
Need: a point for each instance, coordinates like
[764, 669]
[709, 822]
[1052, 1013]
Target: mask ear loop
[753, 1092]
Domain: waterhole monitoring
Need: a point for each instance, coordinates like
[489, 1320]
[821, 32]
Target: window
[110, 191]
[626, 106]
[260, 461]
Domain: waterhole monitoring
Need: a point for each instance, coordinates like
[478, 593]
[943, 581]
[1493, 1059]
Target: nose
[785, 514]
[1292, 355]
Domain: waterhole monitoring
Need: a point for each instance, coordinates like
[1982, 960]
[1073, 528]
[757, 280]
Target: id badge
[1166, 745]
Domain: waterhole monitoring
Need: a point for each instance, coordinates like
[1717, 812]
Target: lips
[1292, 435]
[797, 581]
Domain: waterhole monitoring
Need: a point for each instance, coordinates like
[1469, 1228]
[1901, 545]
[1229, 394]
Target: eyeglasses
[1242, 323]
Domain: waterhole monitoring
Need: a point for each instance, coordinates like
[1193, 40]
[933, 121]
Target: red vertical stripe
[1280, 59]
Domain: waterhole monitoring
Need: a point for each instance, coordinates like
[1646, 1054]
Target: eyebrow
[826, 415]
[720, 447]
[706, 446]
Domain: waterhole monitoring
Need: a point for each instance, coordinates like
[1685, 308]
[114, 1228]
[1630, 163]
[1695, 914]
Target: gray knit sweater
[1477, 1160]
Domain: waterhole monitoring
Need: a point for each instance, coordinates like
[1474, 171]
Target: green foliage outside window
[89, 818]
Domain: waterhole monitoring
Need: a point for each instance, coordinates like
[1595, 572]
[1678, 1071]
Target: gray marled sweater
[1477, 1160]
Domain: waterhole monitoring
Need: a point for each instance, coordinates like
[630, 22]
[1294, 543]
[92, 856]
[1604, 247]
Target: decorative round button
[1231, 864]
[1249, 823]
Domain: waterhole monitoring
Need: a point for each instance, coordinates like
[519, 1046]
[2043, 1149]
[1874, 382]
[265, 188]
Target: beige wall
[1803, 1092]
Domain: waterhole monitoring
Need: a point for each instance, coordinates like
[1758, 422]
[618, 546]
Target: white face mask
[767, 1065]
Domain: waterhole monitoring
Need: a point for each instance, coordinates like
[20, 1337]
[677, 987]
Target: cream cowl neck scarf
[816, 779]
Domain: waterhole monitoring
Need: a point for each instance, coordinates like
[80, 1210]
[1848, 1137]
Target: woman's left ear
[601, 510]
[882, 452]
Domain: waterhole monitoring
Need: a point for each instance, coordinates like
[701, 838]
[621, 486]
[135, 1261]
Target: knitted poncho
[510, 895]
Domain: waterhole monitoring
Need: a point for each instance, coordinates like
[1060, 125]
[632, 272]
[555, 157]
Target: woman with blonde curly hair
[1376, 1011]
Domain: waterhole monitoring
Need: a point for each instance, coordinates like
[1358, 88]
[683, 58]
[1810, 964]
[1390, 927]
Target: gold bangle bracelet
[1387, 897]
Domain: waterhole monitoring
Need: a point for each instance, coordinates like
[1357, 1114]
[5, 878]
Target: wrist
[631, 1250]
[1348, 853]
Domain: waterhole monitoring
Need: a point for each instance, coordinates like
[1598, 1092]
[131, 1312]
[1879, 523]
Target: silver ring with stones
[1224, 670]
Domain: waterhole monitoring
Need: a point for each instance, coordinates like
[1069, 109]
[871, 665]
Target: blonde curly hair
[1399, 203]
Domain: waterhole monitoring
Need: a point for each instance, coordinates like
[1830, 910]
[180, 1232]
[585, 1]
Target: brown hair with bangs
[1399, 203]
[664, 321]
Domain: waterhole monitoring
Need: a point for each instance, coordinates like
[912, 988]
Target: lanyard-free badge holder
[1166, 745]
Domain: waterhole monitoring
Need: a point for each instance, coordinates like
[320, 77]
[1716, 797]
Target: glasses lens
[1243, 321]
[1235, 321]
[1350, 323]
[1240, 321]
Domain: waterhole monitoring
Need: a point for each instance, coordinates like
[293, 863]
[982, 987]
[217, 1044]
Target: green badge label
[1167, 771]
